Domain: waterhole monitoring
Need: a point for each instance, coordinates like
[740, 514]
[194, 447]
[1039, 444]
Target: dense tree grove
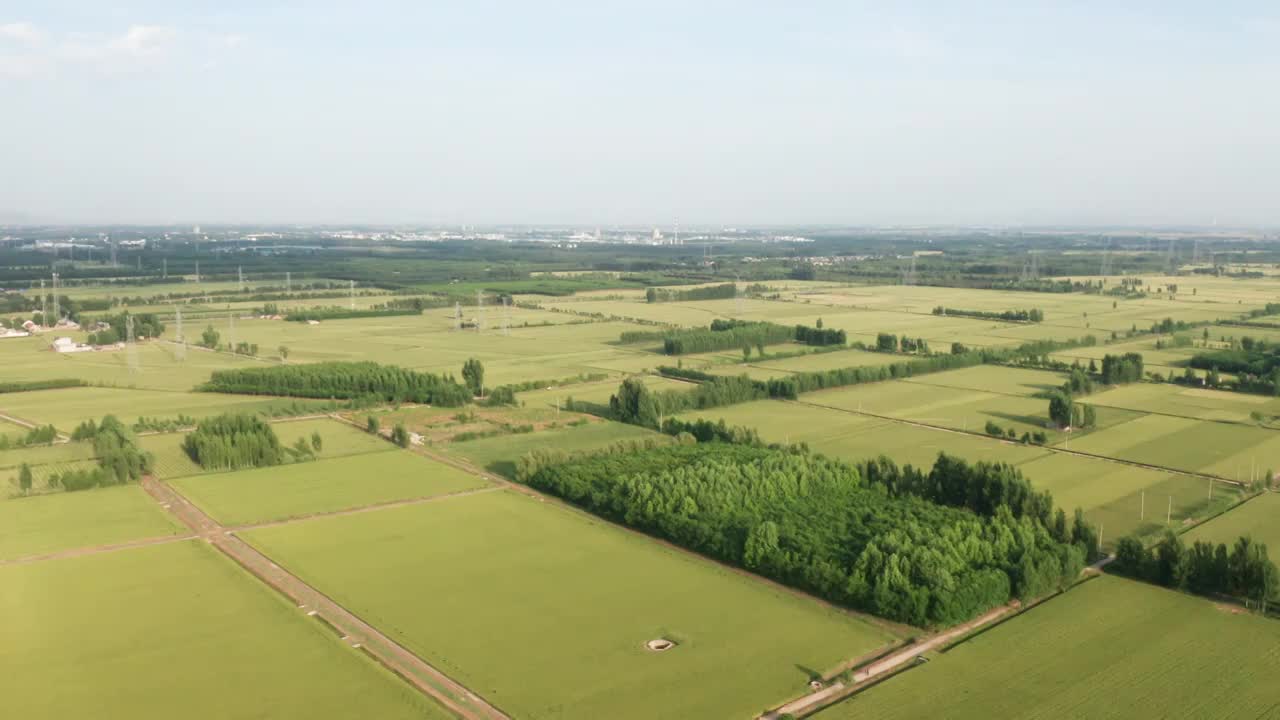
[725, 336]
[1244, 572]
[1118, 369]
[341, 380]
[473, 376]
[1032, 315]
[232, 442]
[120, 460]
[145, 325]
[816, 524]
[819, 336]
[710, 292]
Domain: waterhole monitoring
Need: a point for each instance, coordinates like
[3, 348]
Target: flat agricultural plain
[104, 516]
[545, 612]
[1109, 648]
[177, 630]
[319, 486]
[499, 454]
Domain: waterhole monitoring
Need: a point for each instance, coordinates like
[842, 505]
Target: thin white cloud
[26, 50]
[143, 40]
[23, 33]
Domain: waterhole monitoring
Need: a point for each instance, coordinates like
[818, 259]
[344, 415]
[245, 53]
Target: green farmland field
[1108, 649]
[855, 437]
[283, 491]
[174, 631]
[1226, 450]
[499, 454]
[68, 407]
[1259, 518]
[337, 438]
[545, 612]
[62, 521]
[1195, 403]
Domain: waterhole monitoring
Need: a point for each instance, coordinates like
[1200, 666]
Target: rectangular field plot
[1123, 499]
[1225, 450]
[45, 454]
[284, 491]
[1259, 518]
[337, 439]
[856, 437]
[817, 362]
[1108, 649]
[996, 379]
[499, 454]
[31, 359]
[63, 521]
[596, 393]
[545, 612]
[68, 407]
[177, 631]
[1199, 403]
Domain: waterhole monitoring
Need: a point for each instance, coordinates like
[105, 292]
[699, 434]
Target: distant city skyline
[584, 114]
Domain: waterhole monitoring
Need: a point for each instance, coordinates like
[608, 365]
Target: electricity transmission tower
[909, 275]
[231, 330]
[288, 282]
[240, 276]
[130, 345]
[181, 351]
[457, 316]
[737, 296]
[479, 311]
[57, 311]
[353, 294]
[44, 306]
[506, 316]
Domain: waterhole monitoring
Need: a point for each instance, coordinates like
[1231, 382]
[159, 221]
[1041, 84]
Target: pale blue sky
[643, 112]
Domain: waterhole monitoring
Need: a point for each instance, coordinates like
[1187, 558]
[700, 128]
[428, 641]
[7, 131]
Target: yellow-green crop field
[1110, 648]
[176, 630]
[321, 486]
[545, 612]
[51, 523]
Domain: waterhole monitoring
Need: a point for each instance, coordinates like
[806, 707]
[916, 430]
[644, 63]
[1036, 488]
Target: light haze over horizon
[1080, 113]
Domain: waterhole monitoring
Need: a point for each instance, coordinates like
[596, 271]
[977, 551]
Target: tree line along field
[67, 407]
[1109, 648]
[185, 626]
[545, 612]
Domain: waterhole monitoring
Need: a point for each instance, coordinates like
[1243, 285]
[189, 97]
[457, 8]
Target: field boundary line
[362, 509]
[1050, 448]
[839, 690]
[97, 549]
[355, 631]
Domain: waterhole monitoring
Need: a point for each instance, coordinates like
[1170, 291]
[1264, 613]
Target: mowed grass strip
[177, 631]
[318, 486]
[545, 612]
[1110, 648]
[63, 521]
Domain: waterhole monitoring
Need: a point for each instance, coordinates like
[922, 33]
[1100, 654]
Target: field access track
[355, 632]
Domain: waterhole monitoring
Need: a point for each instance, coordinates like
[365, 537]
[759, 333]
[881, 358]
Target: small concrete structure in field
[67, 345]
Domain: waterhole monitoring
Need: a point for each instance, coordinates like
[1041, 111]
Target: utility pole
[353, 294]
[131, 347]
[1168, 517]
[164, 264]
[44, 306]
[231, 329]
[288, 282]
[240, 276]
[457, 316]
[1142, 511]
[182, 338]
[197, 272]
[479, 311]
[57, 311]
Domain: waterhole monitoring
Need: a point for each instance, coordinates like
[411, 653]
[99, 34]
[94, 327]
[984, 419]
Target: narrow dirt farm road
[355, 632]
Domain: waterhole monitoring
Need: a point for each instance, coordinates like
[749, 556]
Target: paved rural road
[893, 661]
[355, 632]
